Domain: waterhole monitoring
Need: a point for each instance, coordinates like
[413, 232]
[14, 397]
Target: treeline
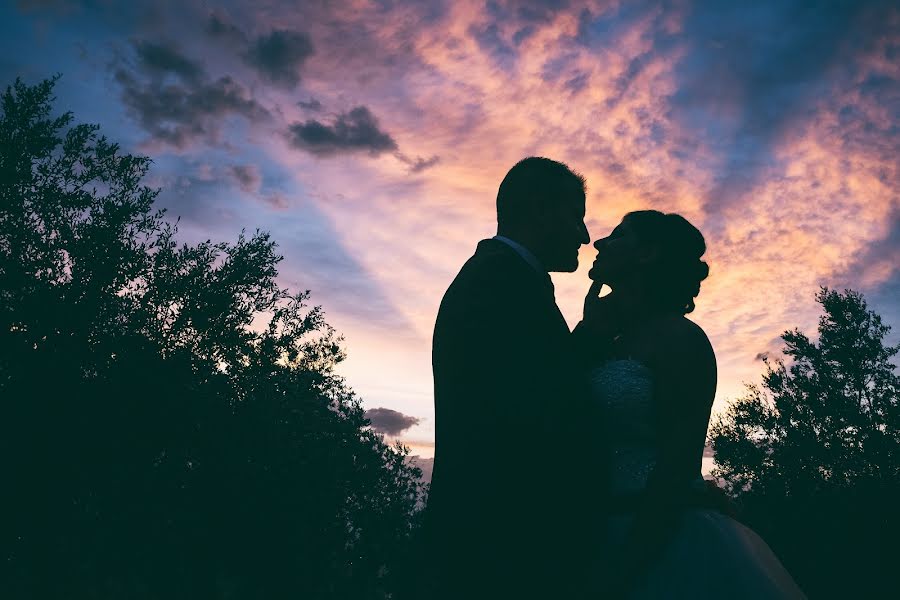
[154, 444]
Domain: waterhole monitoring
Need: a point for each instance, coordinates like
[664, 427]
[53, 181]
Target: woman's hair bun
[679, 270]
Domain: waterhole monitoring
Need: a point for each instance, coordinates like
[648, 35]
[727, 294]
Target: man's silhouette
[503, 519]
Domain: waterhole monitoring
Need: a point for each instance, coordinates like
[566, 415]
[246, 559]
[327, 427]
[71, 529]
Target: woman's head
[661, 250]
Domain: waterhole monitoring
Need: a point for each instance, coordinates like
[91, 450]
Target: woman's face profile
[617, 254]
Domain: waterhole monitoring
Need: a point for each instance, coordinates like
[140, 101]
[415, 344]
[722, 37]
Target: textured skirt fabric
[710, 556]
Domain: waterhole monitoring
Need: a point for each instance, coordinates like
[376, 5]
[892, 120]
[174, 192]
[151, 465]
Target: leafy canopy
[813, 454]
[157, 442]
[829, 416]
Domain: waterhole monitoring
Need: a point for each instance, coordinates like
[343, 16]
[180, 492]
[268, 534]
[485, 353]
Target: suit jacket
[506, 507]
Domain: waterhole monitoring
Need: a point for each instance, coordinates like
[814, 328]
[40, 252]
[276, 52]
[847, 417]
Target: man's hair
[535, 180]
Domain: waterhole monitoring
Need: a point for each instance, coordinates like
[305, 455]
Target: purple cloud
[176, 103]
[354, 131]
[246, 176]
[279, 55]
[389, 421]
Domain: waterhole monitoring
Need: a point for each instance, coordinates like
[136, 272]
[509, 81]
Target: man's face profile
[564, 232]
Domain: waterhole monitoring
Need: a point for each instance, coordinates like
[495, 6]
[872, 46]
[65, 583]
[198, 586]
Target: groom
[505, 516]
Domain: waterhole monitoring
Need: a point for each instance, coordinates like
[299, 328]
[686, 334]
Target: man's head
[540, 204]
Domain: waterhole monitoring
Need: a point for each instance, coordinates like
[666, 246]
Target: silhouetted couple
[567, 464]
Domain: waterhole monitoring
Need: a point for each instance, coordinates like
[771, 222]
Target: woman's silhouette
[653, 373]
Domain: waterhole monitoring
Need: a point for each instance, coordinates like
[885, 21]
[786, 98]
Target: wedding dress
[710, 555]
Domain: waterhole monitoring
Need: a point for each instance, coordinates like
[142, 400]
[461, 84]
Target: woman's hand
[592, 300]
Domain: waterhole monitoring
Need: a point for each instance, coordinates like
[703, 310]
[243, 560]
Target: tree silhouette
[813, 455]
[155, 444]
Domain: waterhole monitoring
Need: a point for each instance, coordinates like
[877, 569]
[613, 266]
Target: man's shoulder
[492, 254]
[492, 277]
[493, 265]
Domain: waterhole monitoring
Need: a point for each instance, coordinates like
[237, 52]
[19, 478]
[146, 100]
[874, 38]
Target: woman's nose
[599, 243]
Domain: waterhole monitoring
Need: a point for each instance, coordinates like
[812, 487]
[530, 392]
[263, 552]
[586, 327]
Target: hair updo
[678, 269]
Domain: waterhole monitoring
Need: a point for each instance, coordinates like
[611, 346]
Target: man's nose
[585, 235]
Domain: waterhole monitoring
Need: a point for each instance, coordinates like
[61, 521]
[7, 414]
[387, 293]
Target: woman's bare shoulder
[678, 342]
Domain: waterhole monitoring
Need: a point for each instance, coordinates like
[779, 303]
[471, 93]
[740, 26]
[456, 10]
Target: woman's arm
[685, 373]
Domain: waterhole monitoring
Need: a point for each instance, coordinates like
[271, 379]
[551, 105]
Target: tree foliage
[172, 423]
[813, 454]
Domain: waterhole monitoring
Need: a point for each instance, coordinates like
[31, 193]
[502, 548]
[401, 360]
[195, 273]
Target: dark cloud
[220, 28]
[279, 56]
[417, 164]
[353, 131]
[390, 422]
[186, 106]
[179, 114]
[312, 105]
[246, 176]
[160, 60]
[277, 201]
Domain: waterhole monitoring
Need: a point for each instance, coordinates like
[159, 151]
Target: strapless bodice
[624, 391]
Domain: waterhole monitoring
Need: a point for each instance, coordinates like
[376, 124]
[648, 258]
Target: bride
[653, 374]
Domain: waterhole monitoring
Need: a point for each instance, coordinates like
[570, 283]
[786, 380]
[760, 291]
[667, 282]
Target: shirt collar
[527, 256]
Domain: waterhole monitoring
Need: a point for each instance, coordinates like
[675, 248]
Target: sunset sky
[370, 138]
